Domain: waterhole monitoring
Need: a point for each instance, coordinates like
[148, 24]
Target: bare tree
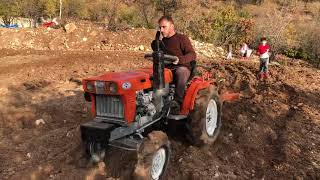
[274, 26]
[167, 7]
[112, 17]
[147, 9]
[32, 10]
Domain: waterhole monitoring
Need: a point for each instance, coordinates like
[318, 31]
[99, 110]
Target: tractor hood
[124, 81]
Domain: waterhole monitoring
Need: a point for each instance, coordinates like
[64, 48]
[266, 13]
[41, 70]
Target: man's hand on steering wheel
[168, 59]
[176, 61]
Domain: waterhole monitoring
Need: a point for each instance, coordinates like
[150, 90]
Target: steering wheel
[168, 59]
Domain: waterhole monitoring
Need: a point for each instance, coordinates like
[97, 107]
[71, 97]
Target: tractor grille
[109, 107]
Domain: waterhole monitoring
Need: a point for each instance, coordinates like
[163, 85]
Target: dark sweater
[179, 45]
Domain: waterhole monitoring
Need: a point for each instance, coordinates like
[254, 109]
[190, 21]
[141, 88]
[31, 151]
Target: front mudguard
[105, 134]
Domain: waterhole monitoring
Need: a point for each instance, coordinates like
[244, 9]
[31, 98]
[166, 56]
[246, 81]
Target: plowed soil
[272, 132]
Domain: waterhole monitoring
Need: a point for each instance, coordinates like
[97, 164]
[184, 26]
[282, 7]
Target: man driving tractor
[179, 45]
[130, 109]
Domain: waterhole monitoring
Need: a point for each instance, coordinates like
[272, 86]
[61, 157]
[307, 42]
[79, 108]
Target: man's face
[166, 28]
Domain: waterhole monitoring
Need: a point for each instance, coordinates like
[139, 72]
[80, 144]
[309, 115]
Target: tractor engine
[145, 109]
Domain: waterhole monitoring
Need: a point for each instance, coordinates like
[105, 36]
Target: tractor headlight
[90, 86]
[113, 87]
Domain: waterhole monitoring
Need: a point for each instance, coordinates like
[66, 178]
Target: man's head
[166, 26]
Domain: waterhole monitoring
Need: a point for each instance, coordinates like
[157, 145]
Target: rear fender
[191, 93]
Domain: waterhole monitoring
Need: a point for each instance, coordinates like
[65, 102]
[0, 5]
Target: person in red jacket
[179, 45]
[263, 52]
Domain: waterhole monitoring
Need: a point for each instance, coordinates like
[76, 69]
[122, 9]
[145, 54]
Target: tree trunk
[145, 15]
[112, 18]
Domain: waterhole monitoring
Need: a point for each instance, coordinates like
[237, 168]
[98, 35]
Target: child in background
[263, 52]
[243, 51]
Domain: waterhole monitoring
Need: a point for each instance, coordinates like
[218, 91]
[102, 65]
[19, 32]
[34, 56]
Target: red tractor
[131, 108]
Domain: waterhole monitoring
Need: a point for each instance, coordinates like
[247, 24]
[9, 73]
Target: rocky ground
[272, 132]
[88, 37]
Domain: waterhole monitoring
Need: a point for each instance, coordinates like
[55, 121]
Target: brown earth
[273, 132]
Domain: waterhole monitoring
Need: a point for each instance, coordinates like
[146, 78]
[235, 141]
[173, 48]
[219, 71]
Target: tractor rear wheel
[153, 157]
[205, 119]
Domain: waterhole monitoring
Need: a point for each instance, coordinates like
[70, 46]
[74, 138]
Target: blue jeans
[264, 62]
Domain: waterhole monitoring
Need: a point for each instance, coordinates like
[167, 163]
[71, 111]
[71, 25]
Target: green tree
[167, 7]
[31, 9]
[10, 10]
[228, 26]
[75, 8]
[50, 7]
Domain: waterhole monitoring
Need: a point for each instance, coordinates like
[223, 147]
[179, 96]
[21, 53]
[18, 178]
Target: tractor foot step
[177, 117]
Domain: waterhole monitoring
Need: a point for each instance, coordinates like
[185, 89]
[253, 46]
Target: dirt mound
[270, 133]
[89, 37]
[86, 37]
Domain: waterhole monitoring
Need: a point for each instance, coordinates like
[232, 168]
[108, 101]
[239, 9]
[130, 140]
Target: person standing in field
[263, 52]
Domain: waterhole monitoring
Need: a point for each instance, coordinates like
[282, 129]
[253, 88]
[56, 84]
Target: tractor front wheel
[205, 119]
[153, 157]
[96, 151]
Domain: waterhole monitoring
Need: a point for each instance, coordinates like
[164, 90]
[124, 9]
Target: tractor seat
[193, 70]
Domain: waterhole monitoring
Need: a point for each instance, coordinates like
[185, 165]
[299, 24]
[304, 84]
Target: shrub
[131, 17]
[50, 8]
[97, 10]
[310, 42]
[229, 26]
[297, 54]
[75, 8]
[200, 29]
[221, 26]
[192, 19]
